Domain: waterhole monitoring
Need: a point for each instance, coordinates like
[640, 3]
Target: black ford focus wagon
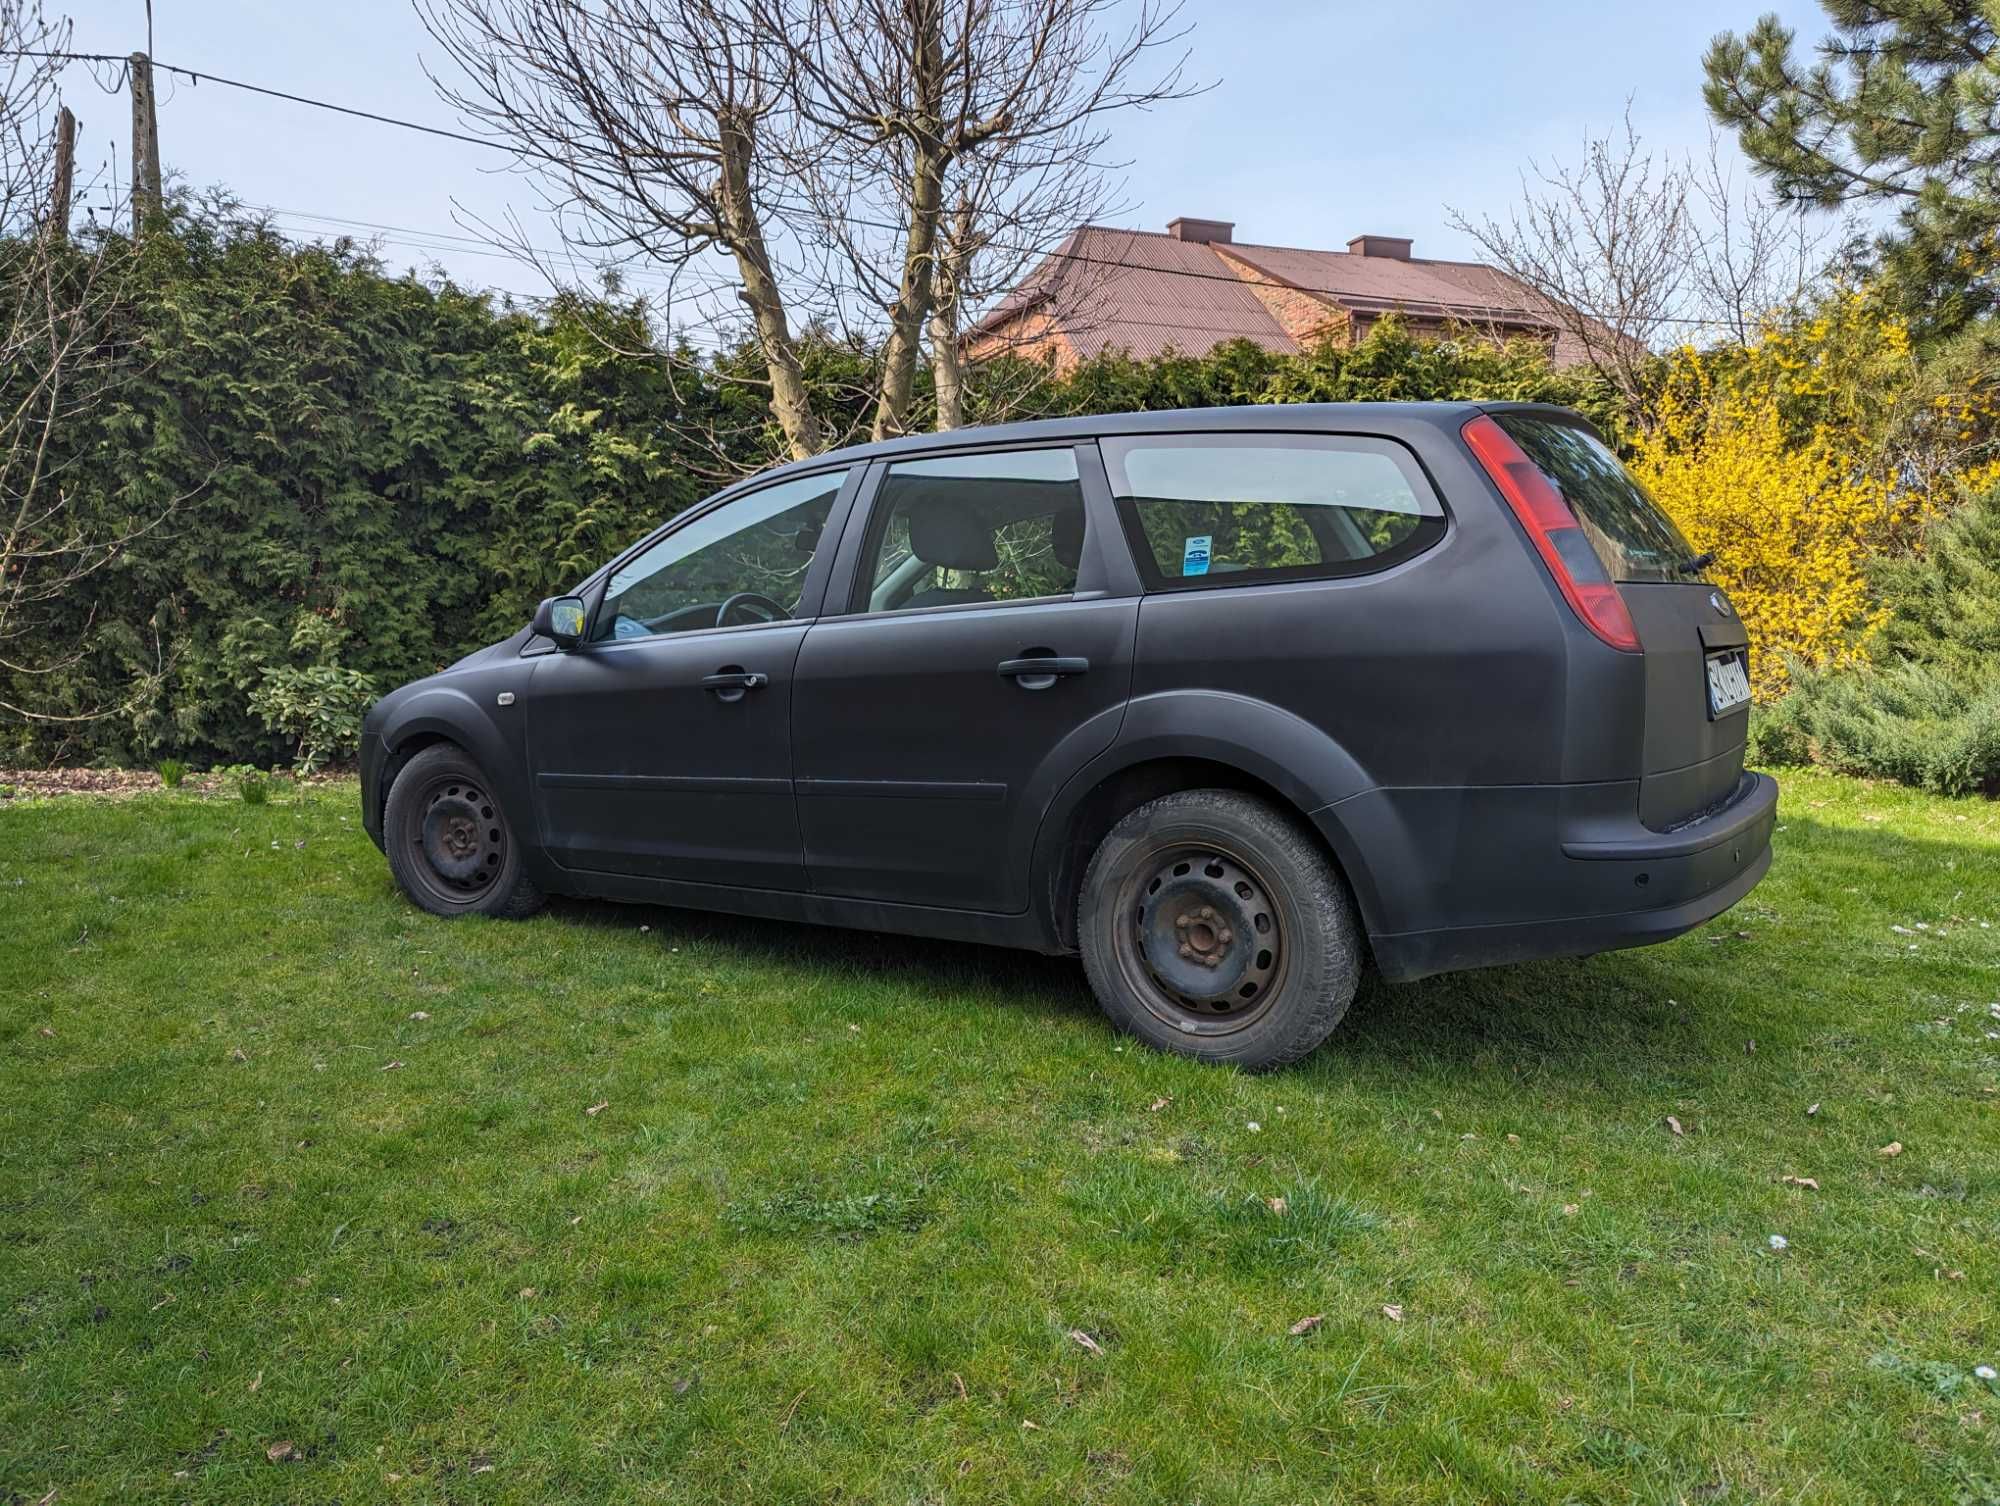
[1231, 701]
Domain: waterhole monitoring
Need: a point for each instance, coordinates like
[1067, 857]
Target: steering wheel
[766, 608]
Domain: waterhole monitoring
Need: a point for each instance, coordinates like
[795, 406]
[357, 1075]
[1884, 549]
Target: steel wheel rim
[457, 838]
[1201, 936]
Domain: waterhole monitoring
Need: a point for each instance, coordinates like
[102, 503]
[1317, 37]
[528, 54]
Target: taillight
[1558, 537]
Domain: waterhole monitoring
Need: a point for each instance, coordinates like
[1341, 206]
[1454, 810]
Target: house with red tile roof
[1195, 286]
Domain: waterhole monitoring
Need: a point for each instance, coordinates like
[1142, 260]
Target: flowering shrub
[1801, 460]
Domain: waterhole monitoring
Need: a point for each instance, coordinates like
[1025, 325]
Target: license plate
[1728, 682]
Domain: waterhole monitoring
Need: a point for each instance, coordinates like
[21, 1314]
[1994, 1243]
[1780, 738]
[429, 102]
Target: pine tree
[1902, 107]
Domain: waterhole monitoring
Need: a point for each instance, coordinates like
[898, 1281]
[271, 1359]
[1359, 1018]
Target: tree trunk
[791, 404]
[913, 297]
[947, 370]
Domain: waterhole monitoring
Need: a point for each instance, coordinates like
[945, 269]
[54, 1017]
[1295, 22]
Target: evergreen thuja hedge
[371, 476]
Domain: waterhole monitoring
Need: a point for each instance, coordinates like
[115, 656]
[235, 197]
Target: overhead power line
[1056, 254]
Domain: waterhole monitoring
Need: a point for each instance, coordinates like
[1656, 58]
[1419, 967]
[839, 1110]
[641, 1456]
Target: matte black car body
[1494, 782]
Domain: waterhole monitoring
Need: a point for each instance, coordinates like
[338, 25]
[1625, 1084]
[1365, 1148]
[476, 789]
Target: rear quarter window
[1233, 509]
[1631, 536]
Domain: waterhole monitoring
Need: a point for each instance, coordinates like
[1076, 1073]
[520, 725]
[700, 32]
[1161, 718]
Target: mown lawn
[625, 1204]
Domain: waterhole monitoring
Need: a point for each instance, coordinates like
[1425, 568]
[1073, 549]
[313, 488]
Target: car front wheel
[449, 843]
[1212, 924]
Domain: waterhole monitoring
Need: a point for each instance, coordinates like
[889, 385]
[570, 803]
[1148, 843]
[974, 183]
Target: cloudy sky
[1326, 120]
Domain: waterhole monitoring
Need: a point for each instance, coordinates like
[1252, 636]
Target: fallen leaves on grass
[1892, 1149]
[1084, 1340]
[597, 1108]
[1811, 1184]
[1306, 1325]
[1157, 1104]
[1277, 1205]
[281, 1452]
[1393, 1311]
[1674, 1125]
[391, 1066]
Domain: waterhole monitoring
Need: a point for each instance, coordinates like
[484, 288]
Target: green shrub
[319, 709]
[172, 772]
[1927, 711]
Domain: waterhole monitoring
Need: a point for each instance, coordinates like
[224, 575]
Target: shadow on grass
[1591, 1016]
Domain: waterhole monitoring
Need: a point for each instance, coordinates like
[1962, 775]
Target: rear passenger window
[1228, 509]
[968, 530]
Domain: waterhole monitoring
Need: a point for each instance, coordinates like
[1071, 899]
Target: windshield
[1630, 535]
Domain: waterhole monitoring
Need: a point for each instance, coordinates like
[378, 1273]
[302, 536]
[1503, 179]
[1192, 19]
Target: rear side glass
[976, 529]
[1234, 509]
[1635, 541]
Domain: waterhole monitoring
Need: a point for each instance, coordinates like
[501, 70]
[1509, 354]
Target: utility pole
[65, 176]
[146, 198]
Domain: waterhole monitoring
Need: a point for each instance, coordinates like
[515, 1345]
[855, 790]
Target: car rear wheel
[1213, 925]
[450, 846]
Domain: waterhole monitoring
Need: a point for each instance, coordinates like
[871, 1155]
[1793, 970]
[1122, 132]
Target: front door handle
[730, 684]
[1040, 671]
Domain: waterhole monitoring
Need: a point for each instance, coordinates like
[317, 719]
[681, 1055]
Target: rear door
[1696, 651]
[980, 660]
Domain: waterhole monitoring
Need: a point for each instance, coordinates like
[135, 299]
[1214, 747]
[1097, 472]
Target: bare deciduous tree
[1634, 250]
[859, 162]
[1603, 248]
[58, 360]
[959, 128]
[1755, 255]
[659, 128]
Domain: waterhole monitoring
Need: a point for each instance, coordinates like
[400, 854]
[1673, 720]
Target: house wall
[1304, 316]
[1033, 337]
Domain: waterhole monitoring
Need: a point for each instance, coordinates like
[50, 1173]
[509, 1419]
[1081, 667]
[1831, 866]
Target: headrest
[1066, 537]
[951, 535]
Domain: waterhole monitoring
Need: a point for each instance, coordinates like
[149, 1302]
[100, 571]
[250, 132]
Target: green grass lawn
[626, 1204]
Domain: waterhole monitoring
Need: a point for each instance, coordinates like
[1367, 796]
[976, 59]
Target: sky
[1324, 121]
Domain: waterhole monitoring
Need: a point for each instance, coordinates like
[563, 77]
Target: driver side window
[744, 562]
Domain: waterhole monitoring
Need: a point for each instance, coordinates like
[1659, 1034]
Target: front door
[661, 747]
[980, 658]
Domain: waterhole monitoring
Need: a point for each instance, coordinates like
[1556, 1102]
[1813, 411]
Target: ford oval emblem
[1715, 600]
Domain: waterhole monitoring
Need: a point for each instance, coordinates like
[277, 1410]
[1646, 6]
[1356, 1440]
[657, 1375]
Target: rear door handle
[1043, 667]
[736, 679]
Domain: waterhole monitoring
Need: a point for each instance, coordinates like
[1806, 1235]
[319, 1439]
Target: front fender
[463, 707]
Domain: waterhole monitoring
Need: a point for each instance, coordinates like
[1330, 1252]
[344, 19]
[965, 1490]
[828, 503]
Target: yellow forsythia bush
[1792, 520]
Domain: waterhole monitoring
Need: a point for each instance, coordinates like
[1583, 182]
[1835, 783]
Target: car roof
[1384, 418]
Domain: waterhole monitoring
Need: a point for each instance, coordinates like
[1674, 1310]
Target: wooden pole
[146, 197]
[65, 178]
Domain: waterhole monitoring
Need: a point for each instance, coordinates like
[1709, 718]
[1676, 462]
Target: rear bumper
[1469, 878]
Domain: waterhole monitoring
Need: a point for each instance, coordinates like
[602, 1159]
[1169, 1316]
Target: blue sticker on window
[1194, 554]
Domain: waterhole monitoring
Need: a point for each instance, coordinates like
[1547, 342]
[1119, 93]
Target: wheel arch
[446, 714]
[1200, 740]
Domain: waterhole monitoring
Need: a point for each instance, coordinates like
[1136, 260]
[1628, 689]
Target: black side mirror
[560, 620]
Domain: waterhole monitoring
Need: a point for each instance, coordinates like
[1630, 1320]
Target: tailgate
[1694, 647]
[1693, 746]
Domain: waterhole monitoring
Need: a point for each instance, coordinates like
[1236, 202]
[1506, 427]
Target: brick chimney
[1393, 247]
[1204, 231]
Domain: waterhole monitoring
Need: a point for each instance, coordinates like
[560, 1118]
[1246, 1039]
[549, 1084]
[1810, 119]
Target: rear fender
[1292, 756]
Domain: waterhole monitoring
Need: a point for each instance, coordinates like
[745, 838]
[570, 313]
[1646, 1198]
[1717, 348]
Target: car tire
[450, 845]
[1213, 925]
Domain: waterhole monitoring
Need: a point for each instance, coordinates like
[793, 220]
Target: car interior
[957, 541]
